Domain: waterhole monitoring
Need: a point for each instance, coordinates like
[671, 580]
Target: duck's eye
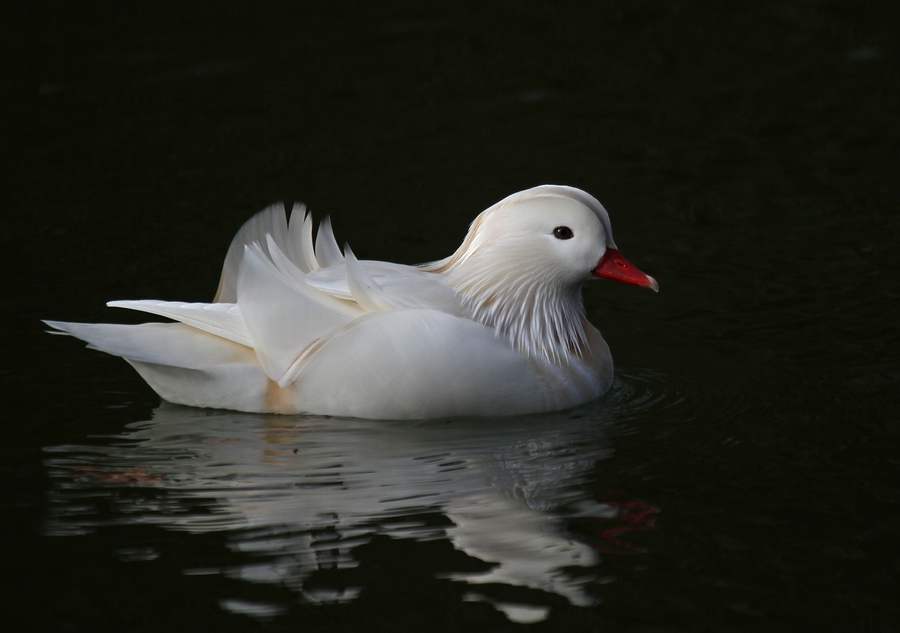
[563, 233]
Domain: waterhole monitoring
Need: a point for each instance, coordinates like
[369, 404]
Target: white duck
[497, 328]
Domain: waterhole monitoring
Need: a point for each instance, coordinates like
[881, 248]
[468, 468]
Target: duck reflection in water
[300, 494]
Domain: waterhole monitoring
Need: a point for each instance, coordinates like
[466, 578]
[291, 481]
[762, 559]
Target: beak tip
[652, 285]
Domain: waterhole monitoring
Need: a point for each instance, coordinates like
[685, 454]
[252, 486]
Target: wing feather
[283, 315]
[327, 250]
[300, 242]
[221, 319]
[402, 286]
[365, 291]
[270, 221]
[298, 281]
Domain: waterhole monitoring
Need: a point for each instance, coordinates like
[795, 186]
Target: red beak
[613, 266]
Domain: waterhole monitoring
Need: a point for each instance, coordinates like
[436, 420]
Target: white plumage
[497, 328]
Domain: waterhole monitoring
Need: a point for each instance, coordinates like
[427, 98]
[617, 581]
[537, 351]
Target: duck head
[523, 261]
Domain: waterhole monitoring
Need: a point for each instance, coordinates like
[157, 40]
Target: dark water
[744, 473]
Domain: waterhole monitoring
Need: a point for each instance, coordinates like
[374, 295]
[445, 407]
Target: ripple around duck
[636, 394]
[643, 395]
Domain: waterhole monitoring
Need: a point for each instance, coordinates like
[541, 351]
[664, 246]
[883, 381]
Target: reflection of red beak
[613, 266]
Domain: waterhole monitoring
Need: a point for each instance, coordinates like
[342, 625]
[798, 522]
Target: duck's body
[498, 328]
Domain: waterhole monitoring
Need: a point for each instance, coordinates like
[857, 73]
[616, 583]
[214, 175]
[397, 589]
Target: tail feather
[170, 344]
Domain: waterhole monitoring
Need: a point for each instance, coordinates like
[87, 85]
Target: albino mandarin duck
[497, 328]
